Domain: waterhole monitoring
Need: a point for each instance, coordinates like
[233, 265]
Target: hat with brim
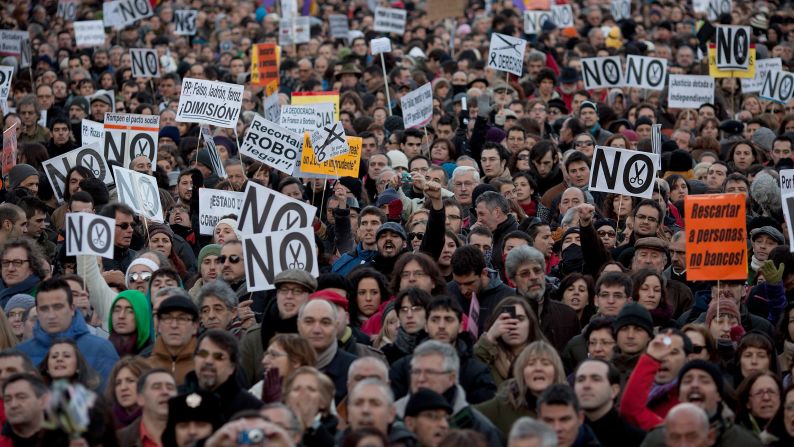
[348, 69]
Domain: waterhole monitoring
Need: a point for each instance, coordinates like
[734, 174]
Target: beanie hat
[203, 157]
[97, 189]
[353, 184]
[209, 250]
[703, 365]
[636, 314]
[398, 159]
[19, 173]
[425, 399]
[726, 306]
[643, 121]
[140, 261]
[680, 161]
[170, 132]
[495, 135]
[386, 197]
[158, 228]
[226, 142]
[19, 301]
[330, 296]
[394, 228]
[78, 101]
[142, 312]
[232, 223]
[763, 137]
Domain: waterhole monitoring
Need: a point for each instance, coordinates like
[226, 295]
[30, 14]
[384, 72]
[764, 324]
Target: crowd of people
[473, 289]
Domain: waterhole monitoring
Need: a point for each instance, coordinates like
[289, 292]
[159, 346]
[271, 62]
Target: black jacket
[612, 431]
[337, 372]
[502, 230]
[232, 396]
[488, 298]
[558, 321]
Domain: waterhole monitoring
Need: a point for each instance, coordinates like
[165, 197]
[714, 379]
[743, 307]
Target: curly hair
[35, 254]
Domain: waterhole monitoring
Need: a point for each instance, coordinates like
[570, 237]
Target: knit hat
[727, 307]
[636, 314]
[158, 228]
[394, 123]
[353, 184]
[703, 365]
[226, 142]
[763, 138]
[198, 406]
[605, 223]
[559, 104]
[296, 276]
[394, 228]
[203, 157]
[102, 96]
[495, 135]
[398, 159]
[232, 223]
[170, 132]
[330, 296]
[19, 173]
[79, 101]
[680, 162]
[386, 197]
[425, 399]
[209, 250]
[733, 127]
[97, 189]
[643, 121]
[142, 312]
[19, 301]
[140, 261]
[586, 105]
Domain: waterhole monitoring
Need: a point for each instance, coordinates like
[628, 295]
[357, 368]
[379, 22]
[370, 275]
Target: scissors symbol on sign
[513, 46]
[637, 180]
[296, 263]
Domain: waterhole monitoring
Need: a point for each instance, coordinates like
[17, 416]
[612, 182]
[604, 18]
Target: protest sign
[272, 108]
[716, 239]
[10, 42]
[621, 9]
[139, 192]
[534, 20]
[131, 11]
[506, 53]
[778, 86]
[305, 98]
[25, 53]
[67, 10]
[417, 106]
[602, 72]
[562, 15]
[733, 47]
[89, 234]
[380, 45]
[442, 9]
[273, 145]
[390, 20]
[294, 31]
[91, 132]
[289, 8]
[6, 73]
[265, 210]
[185, 22]
[646, 72]
[145, 63]
[9, 149]
[215, 157]
[338, 26]
[690, 91]
[209, 102]
[57, 168]
[712, 8]
[129, 136]
[264, 66]
[788, 208]
[308, 118]
[111, 16]
[329, 142]
[89, 33]
[214, 204]
[346, 165]
[267, 255]
[762, 67]
[716, 72]
[623, 171]
[786, 181]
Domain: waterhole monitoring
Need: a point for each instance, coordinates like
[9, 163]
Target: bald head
[687, 425]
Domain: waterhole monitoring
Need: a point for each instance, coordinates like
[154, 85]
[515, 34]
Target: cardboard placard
[562, 15]
[307, 98]
[778, 86]
[212, 149]
[733, 47]
[390, 20]
[9, 159]
[89, 33]
[6, 74]
[67, 10]
[646, 72]
[602, 72]
[762, 67]
[346, 165]
[380, 45]
[442, 9]
[329, 142]
[506, 53]
[690, 91]
[294, 31]
[214, 204]
[145, 63]
[716, 237]
[91, 132]
[534, 20]
[265, 210]
[11, 42]
[89, 234]
[623, 171]
[417, 106]
[620, 9]
[128, 136]
[715, 72]
[273, 145]
[267, 255]
[185, 22]
[57, 168]
[338, 27]
[264, 66]
[786, 181]
[139, 192]
[210, 102]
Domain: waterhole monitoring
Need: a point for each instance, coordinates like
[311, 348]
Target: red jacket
[634, 403]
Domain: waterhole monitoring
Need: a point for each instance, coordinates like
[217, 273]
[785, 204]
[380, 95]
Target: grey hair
[445, 350]
[527, 428]
[385, 171]
[494, 200]
[331, 306]
[220, 290]
[567, 219]
[294, 422]
[384, 388]
[523, 255]
[460, 170]
[691, 411]
[376, 361]
[766, 192]
[536, 56]
[169, 292]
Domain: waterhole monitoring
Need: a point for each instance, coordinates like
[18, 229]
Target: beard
[536, 295]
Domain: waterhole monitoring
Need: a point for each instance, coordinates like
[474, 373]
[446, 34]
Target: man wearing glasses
[122, 253]
[176, 324]
[214, 371]
[233, 272]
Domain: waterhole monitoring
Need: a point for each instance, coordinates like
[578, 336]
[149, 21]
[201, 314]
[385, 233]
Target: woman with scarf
[123, 390]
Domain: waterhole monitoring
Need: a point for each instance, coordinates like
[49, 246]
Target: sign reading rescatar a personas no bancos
[506, 53]
[89, 234]
[209, 102]
[716, 238]
[623, 171]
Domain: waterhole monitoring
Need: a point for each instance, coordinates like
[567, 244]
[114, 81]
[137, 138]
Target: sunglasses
[607, 233]
[124, 226]
[412, 236]
[234, 259]
[140, 276]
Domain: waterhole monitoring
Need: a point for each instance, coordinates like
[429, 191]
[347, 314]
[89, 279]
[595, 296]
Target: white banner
[92, 132]
[11, 41]
[129, 136]
[329, 142]
[646, 72]
[338, 26]
[89, 157]
[417, 106]
[534, 20]
[267, 255]
[111, 16]
[294, 31]
[214, 204]
[6, 74]
[690, 91]
[139, 192]
[308, 118]
[390, 20]
[778, 86]
[89, 33]
[265, 210]
[562, 15]
[380, 45]
[89, 234]
[209, 102]
[506, 53]
[602, 72]
[621, 9]
[145, 63]
[273, 145]
[733, 47]
[762, 67]
[185, 22]
[623, 171]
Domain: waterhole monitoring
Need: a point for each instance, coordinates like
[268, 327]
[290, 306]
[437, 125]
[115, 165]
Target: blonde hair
[535, 349]
[326, 387]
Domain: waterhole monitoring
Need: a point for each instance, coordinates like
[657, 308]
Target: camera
[251, 437]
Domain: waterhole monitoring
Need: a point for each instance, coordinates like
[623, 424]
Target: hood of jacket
[143, 315]
[77, 329]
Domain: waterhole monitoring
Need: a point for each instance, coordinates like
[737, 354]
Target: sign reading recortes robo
[506, 53]
[208, 102]
[272, 145]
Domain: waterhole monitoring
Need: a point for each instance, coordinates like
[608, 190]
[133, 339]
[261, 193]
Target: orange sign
[264, 66]
[9, 148]
[716, 237]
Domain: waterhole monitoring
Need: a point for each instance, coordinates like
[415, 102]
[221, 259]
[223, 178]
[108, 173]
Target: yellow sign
[304, 98]
[716, 73]
[346, 165]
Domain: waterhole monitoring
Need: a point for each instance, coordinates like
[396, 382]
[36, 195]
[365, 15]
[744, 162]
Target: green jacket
[501, 412]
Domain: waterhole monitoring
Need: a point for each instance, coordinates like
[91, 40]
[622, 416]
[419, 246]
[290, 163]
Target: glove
[771, 274]
[271, 386]
[395, 210]
[737, 332]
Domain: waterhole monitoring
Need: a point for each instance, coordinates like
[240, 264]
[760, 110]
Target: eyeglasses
[419, 372]
[697, 349]
[415, 274]
[140, 276]
[418, 235]
[181, 319]
[291, 290]
[609, 233]
[650, 219]
[217, 356]
[15, 262]
[16, 314]
[234, 259]
[523, 157]
[768, 392]
[124, 225]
